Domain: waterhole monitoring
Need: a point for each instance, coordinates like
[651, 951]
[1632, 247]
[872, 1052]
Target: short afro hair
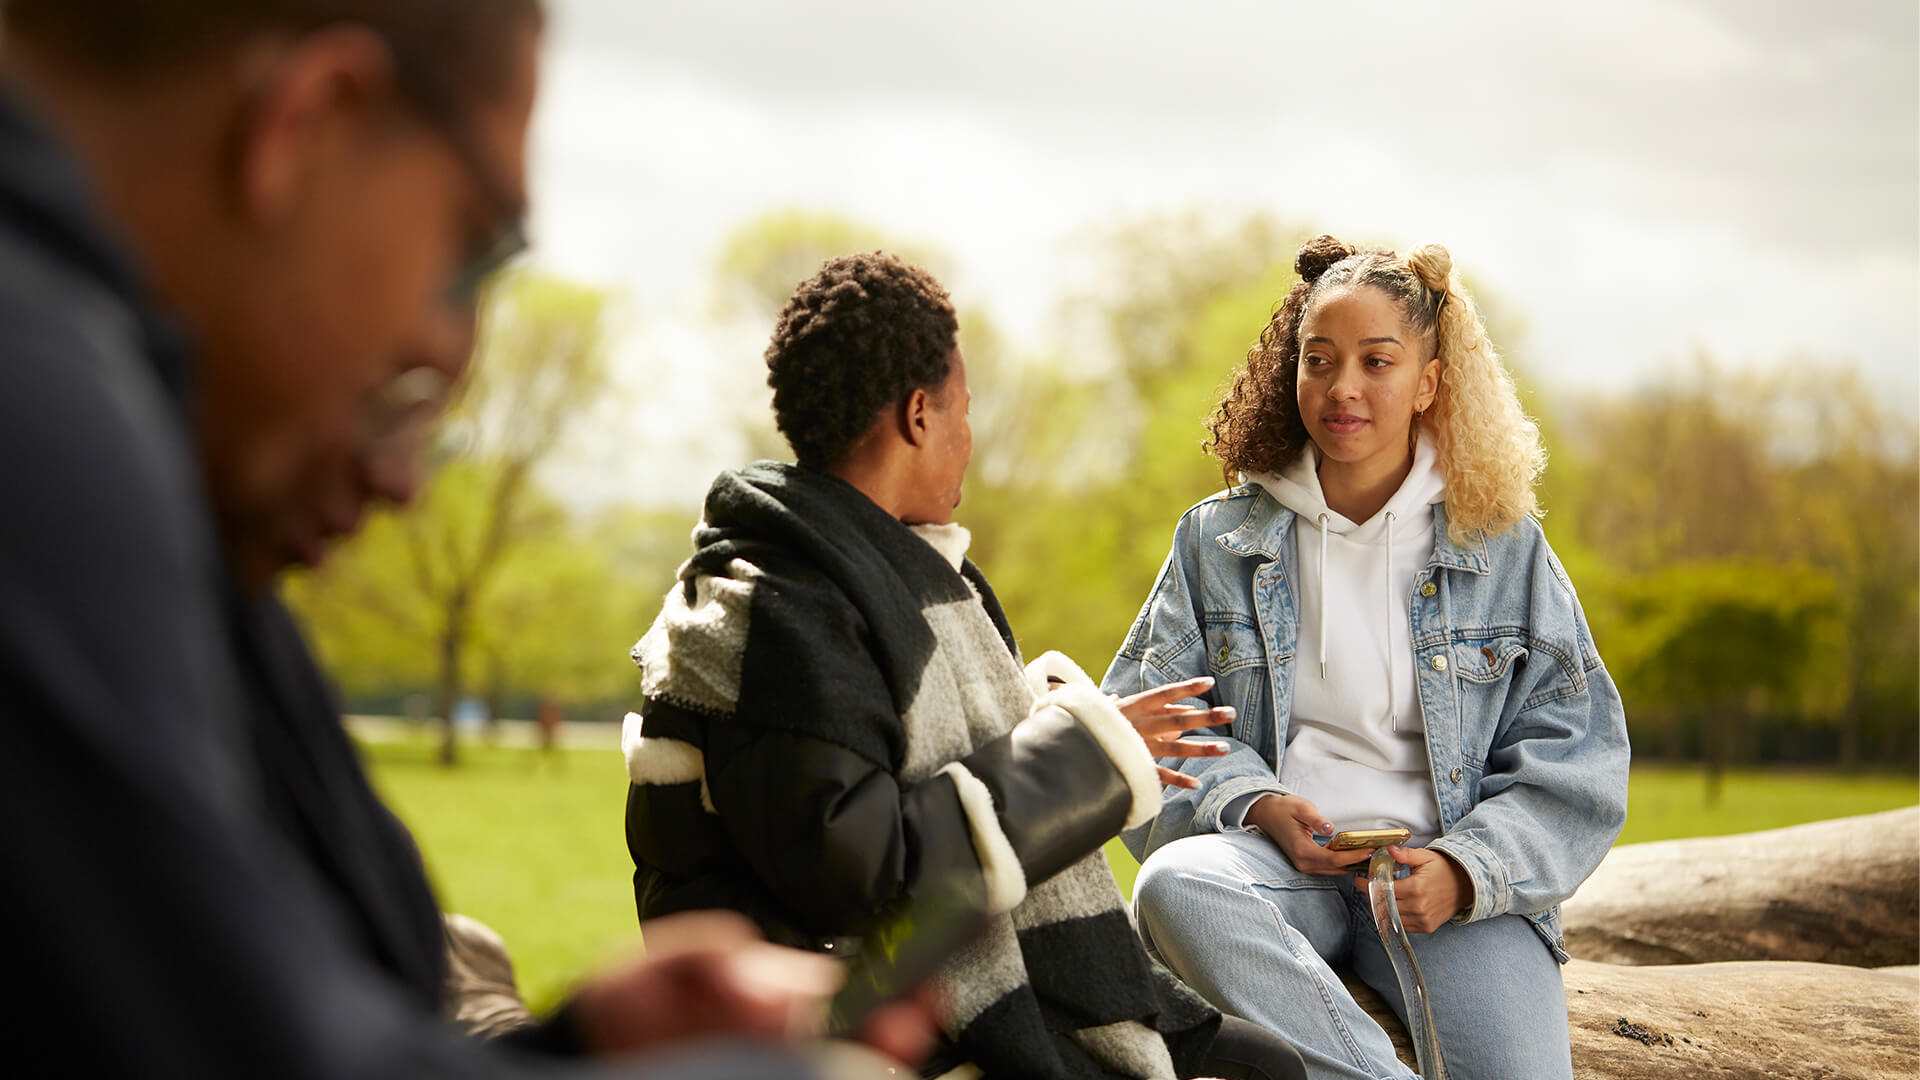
[855, 338]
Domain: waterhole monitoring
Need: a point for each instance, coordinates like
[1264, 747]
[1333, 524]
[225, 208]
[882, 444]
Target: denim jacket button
[1455, 774]
[1439, 662]
[1428, 589]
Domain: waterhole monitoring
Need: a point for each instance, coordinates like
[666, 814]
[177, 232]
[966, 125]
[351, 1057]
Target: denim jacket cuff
[1491, 893]
[1207, 815]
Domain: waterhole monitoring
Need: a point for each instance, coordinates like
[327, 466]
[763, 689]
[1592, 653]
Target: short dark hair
[135, 38]
[855, 338]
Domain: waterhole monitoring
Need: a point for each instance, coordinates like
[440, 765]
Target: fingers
[788, 983]
[1311, 858]
[1176, 778]
[696, 931]
[1185, 748]
[1310, 816]
[1423, 898]
[1165, 695]
[718, 987]
[904, 1030]
[1179, 718]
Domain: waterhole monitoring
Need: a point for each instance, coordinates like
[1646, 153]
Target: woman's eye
[1379, 361]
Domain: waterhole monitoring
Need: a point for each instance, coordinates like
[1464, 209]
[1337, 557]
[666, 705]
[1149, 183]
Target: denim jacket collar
[1268, 526]
[1471, 556]
[1265, 529]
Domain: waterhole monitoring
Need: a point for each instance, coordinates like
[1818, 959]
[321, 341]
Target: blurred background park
[1695, 230]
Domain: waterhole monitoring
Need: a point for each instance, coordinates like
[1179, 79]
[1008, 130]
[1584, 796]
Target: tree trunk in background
[452, 639]
[1852, 715]
[496, 693]
[1713, 734]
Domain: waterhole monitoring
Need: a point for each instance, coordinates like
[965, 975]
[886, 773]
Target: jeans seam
[1354, 1053]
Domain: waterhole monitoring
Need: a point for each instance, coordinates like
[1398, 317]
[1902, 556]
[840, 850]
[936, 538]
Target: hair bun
[1319, 253]
[1433, 265]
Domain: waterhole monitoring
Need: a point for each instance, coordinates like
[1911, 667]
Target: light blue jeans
[1229, 913]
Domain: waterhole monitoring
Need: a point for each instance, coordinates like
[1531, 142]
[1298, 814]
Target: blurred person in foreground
[1405, 651]
[837, 725]
[239, 248]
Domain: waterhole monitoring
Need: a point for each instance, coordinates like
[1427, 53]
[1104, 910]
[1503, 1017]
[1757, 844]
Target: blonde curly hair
[1488, 448]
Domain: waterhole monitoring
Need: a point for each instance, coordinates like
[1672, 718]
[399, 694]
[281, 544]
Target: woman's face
[1363, 374]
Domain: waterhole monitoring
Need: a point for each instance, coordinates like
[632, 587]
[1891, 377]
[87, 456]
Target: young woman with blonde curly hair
[1376, 601]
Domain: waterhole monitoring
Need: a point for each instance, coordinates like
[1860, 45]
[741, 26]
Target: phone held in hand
[1367, 839]
[903, 952]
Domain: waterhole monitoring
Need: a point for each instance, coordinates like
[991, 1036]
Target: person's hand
[1160, 720]
[1290, 822]
[1436, 890]
[706, 974]
[904, 1030]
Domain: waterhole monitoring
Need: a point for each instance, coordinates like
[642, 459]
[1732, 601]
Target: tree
[761, 261]
[1717, 465]
[1724, 640]
[430, 573]
[760, 264]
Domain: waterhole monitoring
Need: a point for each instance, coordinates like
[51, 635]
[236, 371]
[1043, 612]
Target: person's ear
[1429, 386]
[306, 105]
[916, 418]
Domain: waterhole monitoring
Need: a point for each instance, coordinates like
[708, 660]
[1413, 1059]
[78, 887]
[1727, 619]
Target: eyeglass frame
[437, 102]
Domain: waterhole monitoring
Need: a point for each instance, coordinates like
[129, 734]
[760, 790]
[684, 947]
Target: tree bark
[452, 641]
[1837, 892]
[1759, 1020]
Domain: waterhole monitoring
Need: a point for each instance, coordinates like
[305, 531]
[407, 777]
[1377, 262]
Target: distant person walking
[549, 718]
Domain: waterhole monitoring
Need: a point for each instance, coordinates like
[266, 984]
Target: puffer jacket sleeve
[806, 780]
[1165, 645]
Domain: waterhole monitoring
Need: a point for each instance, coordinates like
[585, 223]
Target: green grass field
[534, 846]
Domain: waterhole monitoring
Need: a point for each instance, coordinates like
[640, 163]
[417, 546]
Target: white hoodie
[1356, 746]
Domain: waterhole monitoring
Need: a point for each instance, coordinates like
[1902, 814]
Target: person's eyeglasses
[425, 85]
[463, 292]
[410, 399]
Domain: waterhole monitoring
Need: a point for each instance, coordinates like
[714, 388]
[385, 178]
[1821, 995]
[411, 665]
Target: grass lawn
[535, 848]
[531, 846]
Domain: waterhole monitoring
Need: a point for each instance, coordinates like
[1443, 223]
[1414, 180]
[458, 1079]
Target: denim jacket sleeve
[1553, 795]
[1166, 645]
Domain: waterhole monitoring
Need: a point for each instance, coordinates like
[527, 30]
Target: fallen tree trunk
[1837, 892]
[1756, 1020]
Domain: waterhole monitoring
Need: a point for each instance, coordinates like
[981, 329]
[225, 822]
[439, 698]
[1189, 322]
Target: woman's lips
[1343, 425]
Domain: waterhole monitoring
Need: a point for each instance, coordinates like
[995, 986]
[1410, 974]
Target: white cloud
[1634, 181]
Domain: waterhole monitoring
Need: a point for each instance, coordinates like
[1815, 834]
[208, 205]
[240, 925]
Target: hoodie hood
[1408, 513]
[1297, 487]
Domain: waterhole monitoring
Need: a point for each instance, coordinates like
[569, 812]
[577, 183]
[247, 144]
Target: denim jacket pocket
[1487, 656]
[1237, 659]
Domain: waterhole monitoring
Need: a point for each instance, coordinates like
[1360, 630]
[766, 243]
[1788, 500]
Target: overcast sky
[1635, 180]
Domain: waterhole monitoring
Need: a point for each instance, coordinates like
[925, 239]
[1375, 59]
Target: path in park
[514, 734]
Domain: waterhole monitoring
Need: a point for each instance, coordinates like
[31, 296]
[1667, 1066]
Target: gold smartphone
[1367, 839]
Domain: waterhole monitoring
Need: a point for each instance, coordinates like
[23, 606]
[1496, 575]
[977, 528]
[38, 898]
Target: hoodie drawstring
[1322, 520]
[1393, 614]
[1393, 714]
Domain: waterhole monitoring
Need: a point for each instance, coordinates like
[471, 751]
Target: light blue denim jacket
[1525, 734]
